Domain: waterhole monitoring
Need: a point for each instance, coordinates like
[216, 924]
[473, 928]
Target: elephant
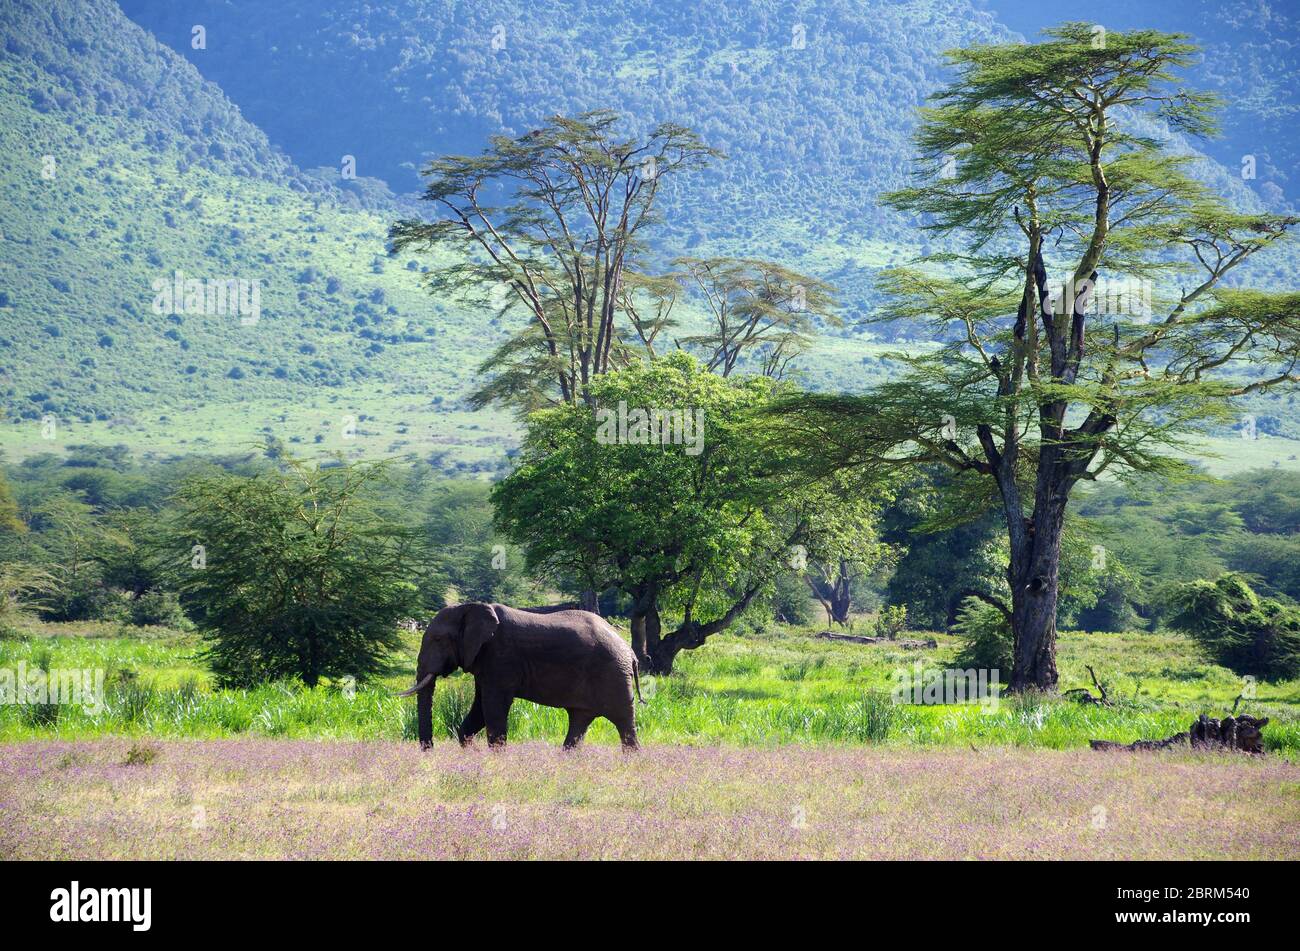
[564, 658]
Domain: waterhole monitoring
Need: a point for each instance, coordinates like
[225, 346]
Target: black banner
[337, 900]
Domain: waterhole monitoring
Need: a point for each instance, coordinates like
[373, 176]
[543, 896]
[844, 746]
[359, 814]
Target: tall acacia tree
[1042, 159]
[551, 223]
[755, 308]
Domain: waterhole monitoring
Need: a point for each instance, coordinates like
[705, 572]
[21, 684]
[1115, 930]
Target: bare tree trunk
[646, 625]
[835, 596]
[1034, 575]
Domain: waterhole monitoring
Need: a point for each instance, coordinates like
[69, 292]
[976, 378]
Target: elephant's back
[568, 629]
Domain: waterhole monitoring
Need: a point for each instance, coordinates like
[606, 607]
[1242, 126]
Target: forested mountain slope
[814, 104]
[126, 167]
[142, 147]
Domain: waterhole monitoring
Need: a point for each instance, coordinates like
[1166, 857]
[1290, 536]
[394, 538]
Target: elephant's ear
[481, 623]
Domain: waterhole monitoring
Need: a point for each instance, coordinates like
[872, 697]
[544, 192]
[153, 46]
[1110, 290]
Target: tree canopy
[696, 527]
[293, 572]
[1038, 161]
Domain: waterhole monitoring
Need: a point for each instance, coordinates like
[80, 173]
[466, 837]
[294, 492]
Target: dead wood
[1243, 733]
[906, 644]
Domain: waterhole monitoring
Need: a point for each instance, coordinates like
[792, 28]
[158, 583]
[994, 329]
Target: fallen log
[906, 644]
[1084, 695]
[1242, 733]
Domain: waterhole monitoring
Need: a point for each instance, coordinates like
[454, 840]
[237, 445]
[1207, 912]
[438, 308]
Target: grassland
[772, 744]
[268, 799]
[778, 687]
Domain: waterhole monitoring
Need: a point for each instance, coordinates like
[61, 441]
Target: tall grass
[734, 691]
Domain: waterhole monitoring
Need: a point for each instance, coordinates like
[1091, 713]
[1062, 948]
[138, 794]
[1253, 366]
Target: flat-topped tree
[551, 223]
[757, 309]
[1040, 159]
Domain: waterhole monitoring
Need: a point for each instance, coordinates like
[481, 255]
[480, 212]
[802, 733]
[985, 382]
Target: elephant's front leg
[473, 721]
[496, 715]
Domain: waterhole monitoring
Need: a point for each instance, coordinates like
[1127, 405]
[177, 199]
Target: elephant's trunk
[424, 713]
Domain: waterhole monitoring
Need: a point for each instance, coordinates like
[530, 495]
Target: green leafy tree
[946, 554]
[294, 572]
[22, 588]
[474, 559]
[1238, 629]
[72, 545]
[11, 522]
[1035, 156]
[699, 529]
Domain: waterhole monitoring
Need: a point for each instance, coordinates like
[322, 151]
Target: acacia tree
[755, 308]
[550, 223]
[294, 572]
[1035, 158]
[11, 522]
[695, 529]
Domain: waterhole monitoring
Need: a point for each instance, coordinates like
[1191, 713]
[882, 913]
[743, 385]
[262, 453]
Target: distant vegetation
[155, 170]
[853, 513]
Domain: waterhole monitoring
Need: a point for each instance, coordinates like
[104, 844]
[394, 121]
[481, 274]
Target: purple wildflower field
[262, 798]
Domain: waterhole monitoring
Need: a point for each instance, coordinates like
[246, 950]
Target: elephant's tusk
[428, 678]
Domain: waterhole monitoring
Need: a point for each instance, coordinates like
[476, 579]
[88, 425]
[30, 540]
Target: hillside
[152, 170]
[811, 102]
[133, 164]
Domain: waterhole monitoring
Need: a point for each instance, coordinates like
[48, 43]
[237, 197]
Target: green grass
[777, 688]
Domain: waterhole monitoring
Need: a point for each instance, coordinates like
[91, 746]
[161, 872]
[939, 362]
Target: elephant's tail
[636, 678]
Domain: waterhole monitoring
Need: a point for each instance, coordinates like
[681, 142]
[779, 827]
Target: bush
[985, 636]
[83, 600]
[158, 608]
[891, 621]
[1236, 628]
[283, 595]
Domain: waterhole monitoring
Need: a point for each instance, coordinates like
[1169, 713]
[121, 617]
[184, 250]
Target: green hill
[128, 166]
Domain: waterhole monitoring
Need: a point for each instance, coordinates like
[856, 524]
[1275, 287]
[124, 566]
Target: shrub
[306, 576]
[1238, 629]
[141, 754]
[160, 608]
[985, 636]
[891, 621]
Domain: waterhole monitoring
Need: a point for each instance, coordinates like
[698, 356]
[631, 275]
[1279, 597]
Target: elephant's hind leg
[625, 723]
[579, 720]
